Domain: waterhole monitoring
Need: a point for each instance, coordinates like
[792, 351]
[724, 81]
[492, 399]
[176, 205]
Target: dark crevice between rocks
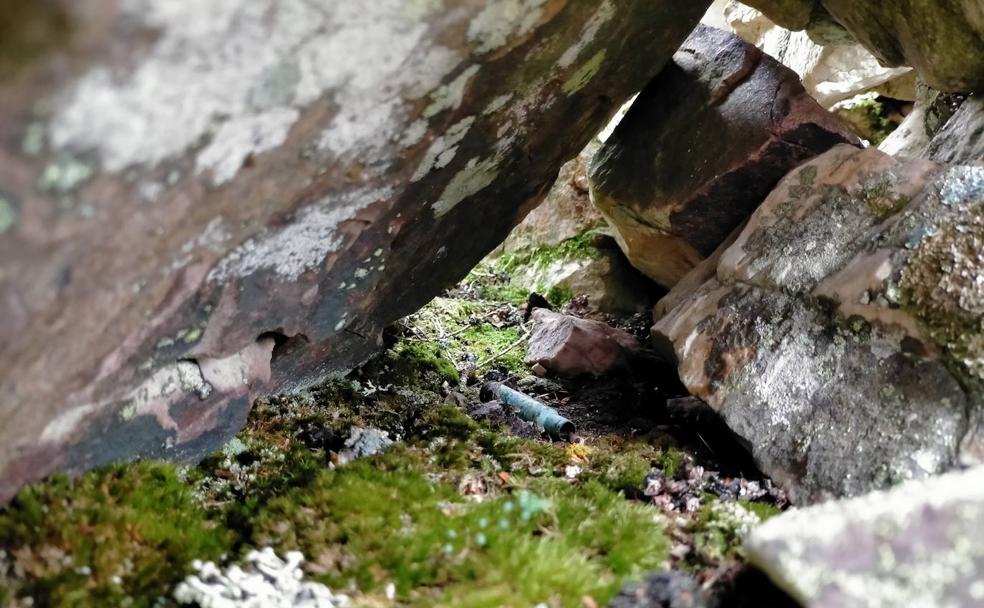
[284, 345]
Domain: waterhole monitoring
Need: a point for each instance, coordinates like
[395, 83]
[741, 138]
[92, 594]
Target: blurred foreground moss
[119, 536]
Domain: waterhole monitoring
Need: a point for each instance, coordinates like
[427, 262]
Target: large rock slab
[700, 148]
[202, 201]
[919, 545]
[830, 73]
[842, 335]
[942, 39]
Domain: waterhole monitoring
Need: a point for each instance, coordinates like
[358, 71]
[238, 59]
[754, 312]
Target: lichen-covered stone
[222, 198]
[700, 148]
[917, 545]
[942, 39]
[842, 334]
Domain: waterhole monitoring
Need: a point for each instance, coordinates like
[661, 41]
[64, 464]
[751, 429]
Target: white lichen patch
[265, 581]
[497, 104]
[8, 215]
[476, 175]
[602, 16]
[220, 87]
[443, 148]
[580, 78]
[450, 96]
[301, 245]
[502, 19]
[64, 176]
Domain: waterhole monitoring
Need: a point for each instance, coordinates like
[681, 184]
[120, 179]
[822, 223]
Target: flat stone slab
[920, 545]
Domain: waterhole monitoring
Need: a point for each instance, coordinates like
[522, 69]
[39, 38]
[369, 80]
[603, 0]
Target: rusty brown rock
[570, 346]
[204, 201]
[842, 335]
[700, 148]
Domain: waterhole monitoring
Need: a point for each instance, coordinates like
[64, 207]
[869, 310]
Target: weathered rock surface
[961, 139]
[830, 73]
[564, 214]
[663, 590]
[918, 545]
[599, 274]
[843, 334]
[929, 115]
[570, 346]
[599, 271]
[700, 148]
[942, 39]
[203, 201]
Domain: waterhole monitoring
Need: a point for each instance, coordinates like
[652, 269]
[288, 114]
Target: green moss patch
[543, 540]
[119, 536]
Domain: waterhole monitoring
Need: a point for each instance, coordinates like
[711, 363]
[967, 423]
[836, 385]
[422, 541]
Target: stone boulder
[830, 73]
[569, 346]
[842, 335]
[942, 39]
[205, 201]
[700, 148]
[918, 545]
[566, 212]
[931, 112]
[561, 250]
[961, 139]
[592, 268]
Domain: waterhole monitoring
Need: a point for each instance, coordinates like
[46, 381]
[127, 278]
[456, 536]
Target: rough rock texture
[700, 148]
[843, 334]
[961, 140]
[203, 201]
[663, 590]
[599, 274]
[830, 73]
[919, 545]
[570, 346]
[564, 214]
[931, 112]
[942, 39]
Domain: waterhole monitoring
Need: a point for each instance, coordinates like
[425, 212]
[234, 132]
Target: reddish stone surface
[570, 346]
[700, 149]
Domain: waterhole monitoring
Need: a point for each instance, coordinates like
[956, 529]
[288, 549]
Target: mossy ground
[457, 512]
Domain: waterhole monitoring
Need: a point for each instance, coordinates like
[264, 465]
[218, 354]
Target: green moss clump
[488, 342]
[503, 292]
[580, 247]
[558, 295]
[548, 541]
[763, 510]
[118, 536]
[425, 355]
[870, 117]
[720, 528]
